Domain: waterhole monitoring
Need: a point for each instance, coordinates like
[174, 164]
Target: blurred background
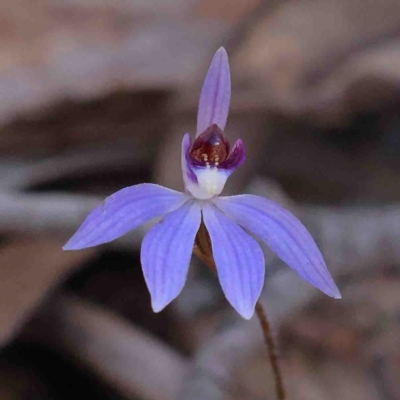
[96, 95]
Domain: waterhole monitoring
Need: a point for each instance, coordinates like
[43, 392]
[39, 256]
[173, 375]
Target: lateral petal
[166, 253]
[239, 260]
[123, 211]
[285, 235]
[189, 178]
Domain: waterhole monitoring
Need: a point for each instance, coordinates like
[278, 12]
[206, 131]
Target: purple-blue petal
[215, 95]
[239, 260]
[166, 253]
[123, 211]
[187, 165]
[236, 158]
[285, 235]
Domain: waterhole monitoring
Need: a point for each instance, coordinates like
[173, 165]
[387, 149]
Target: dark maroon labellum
[210, 148]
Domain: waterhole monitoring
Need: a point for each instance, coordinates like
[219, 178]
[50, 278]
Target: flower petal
[207, 182]
[239, 260]
[216, 94]
[124, 211]
[187, 166]
[236, 157]
[200, 182]
[166, 253]
[284, 234]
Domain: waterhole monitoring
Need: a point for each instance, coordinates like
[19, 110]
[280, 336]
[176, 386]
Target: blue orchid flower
[167, 248]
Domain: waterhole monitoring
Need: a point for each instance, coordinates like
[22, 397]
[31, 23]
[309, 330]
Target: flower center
[210, 148]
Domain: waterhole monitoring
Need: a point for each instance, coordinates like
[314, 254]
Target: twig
[244, 28]
[272, 351]
[114, 349]
[73, 163]
[30, 269]
[53, 214]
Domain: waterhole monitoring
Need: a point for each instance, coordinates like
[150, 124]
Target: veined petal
[239, 260]
[187, 166]
[285, 235]
[124, 211]
[166, 253]
[236, 157]
[216, 94]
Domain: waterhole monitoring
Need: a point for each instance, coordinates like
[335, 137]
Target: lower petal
[285, 235]
[123, 211]
[239, 260]
[166, 253]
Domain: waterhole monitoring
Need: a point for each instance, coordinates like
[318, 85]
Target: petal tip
[246, 314]
[76, 244]
[331, 289]
[222, 51]
[70, 245]
[333, 292]
[337, 295]
[157, 307]
[158, 304]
